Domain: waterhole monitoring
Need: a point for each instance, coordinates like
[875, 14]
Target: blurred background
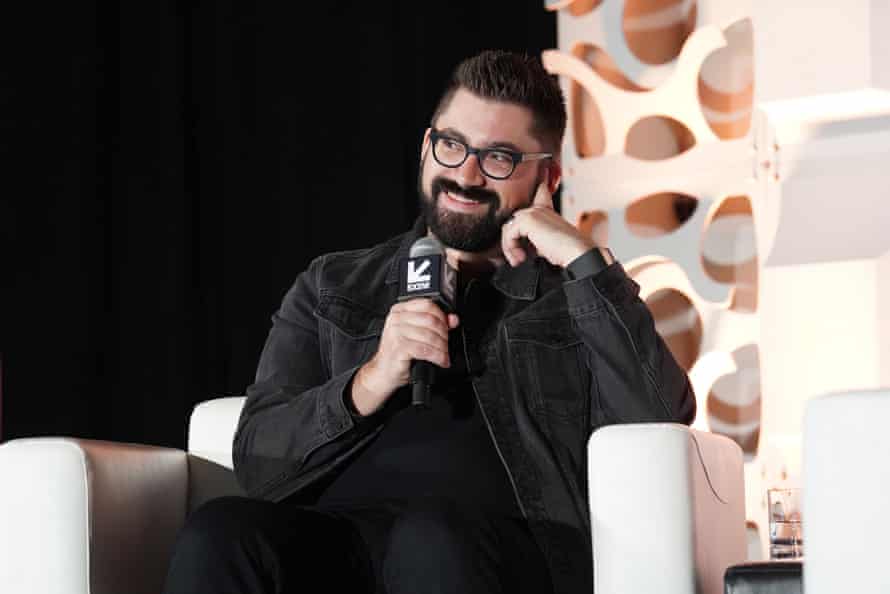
[172, 166]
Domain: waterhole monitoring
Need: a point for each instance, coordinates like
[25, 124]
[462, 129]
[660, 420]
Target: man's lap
[385, 542]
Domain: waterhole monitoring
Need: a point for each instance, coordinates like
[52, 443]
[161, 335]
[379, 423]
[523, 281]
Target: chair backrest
[846, 488]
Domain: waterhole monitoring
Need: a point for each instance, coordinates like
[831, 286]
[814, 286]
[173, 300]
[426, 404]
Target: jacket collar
[518, 283]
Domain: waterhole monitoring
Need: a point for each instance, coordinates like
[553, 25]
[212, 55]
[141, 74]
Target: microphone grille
[426, 246]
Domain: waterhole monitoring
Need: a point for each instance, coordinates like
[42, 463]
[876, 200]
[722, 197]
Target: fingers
[428, 307]
[418, 329]
[420, 349]
[543, 197]
[537, 231]
[514, 231]
[410, 327]
[414, 329]
[436, 325]
[511, 241]
[422, 305]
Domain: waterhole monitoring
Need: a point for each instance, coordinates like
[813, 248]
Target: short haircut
[513, 78]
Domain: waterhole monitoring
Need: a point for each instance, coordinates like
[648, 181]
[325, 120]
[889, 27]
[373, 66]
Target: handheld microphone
[426, 273]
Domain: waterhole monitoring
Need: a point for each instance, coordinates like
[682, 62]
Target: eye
[500, 157]
[451, 144]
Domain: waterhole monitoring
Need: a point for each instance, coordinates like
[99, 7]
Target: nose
[470, 174]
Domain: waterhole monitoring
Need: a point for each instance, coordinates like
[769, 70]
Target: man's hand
[414, 329]
[554, 238]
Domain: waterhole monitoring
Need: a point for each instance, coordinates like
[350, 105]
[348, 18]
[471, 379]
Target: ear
[426, 143]
[554, 174]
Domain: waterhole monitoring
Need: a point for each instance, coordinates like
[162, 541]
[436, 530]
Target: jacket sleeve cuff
[590, 263]
[358, 418]
[588, 294]
[335, 412]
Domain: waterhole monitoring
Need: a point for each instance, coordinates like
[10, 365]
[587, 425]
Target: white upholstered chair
[89, 517]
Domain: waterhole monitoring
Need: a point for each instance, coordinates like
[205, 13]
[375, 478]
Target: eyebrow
[502, 144]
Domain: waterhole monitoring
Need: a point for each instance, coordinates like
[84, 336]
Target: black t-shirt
[445, 451]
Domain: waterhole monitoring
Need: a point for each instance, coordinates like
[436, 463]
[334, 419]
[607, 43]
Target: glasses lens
[449, 152]
[497, 164]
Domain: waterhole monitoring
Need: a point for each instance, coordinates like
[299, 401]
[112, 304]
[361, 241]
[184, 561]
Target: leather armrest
[667, 509]
[211, 432]
[212, 429]
[88, 517]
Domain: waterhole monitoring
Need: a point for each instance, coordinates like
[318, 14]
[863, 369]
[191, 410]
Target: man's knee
[264, 547]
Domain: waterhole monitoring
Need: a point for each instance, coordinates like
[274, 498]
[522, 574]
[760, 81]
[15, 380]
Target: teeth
[464, 200]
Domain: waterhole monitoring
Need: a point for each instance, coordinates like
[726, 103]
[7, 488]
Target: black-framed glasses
[496, 163]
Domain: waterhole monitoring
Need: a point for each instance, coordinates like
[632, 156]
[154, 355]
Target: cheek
[427, 173]
[515, 197]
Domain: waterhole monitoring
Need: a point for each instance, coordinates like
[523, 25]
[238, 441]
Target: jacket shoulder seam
[364, 252]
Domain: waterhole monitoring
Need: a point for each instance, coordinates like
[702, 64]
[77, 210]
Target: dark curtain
[171, 167]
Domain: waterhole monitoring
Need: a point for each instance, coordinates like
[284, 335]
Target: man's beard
[463, 231]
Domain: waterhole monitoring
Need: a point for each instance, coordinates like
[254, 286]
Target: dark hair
[513, 78]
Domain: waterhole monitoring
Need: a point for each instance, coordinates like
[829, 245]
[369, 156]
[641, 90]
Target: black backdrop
[170, 167]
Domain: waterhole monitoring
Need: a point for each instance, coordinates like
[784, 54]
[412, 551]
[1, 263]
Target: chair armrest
[667, 509]
[88, 517]
[211, 432]
[212, 429]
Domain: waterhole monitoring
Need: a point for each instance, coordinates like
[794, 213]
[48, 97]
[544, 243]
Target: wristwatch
[591, 262]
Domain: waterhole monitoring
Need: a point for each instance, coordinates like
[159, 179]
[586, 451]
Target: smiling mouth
[461, 199]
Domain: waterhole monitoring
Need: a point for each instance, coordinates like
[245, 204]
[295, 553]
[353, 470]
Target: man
[355, 490]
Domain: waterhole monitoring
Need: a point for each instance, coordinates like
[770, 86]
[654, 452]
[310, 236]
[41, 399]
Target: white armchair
[89, 517]
[667, 509]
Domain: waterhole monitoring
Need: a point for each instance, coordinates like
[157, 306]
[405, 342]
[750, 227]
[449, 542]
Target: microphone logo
[417, 280]
[426, 273]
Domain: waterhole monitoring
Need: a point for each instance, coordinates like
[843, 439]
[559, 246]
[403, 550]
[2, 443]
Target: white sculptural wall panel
[697, 151]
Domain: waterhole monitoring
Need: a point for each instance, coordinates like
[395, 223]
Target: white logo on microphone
[417, 280]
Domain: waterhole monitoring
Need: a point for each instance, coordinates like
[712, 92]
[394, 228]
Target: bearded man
[353, 489]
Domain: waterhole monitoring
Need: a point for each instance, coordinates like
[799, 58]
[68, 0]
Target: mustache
[482, 195]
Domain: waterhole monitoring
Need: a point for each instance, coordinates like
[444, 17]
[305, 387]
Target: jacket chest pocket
[349, 332]
[548, 361]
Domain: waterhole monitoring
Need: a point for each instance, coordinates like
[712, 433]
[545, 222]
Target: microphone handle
[422, 373]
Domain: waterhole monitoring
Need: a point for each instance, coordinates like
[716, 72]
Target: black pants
[236, 545]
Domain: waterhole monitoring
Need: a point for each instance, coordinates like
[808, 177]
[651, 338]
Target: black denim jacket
[568, 357]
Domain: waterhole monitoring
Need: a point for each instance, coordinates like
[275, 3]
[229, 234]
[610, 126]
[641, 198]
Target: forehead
[486, 121]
